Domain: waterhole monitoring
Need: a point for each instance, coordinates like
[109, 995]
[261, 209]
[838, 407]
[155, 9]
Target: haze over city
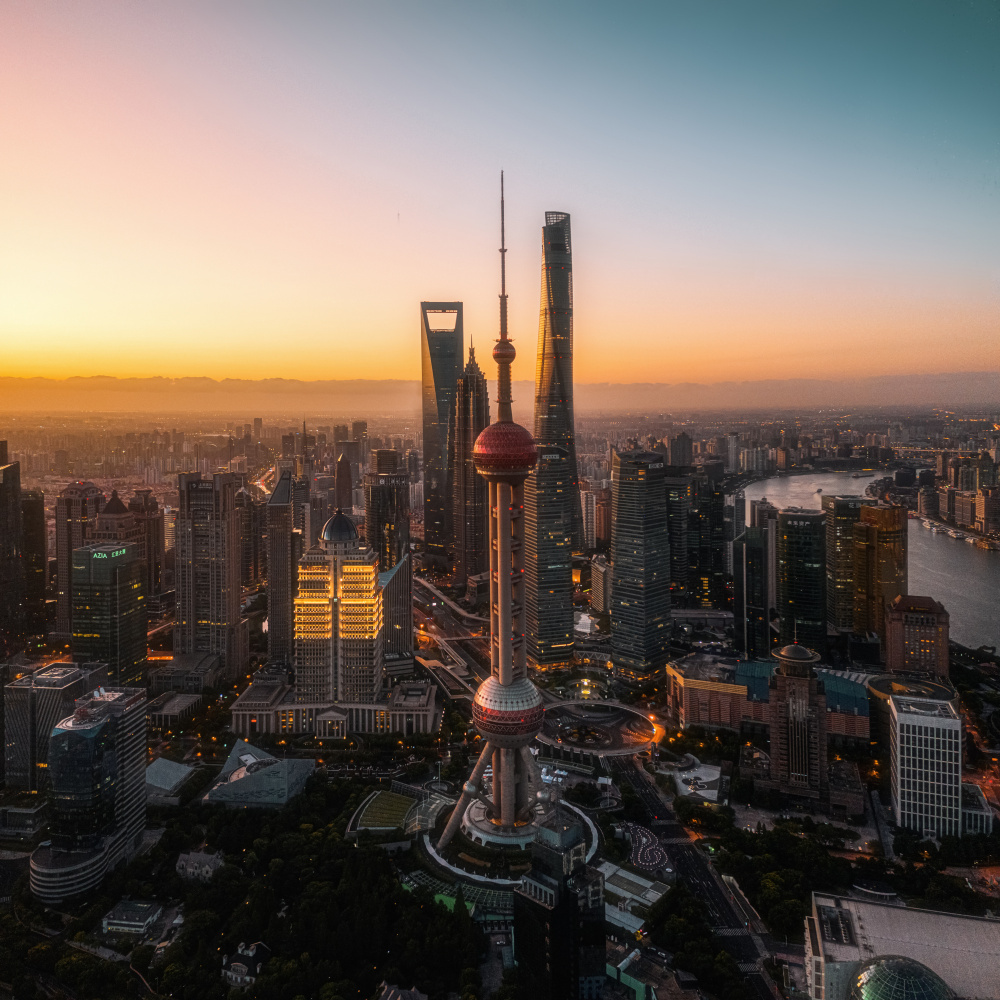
[758, 190]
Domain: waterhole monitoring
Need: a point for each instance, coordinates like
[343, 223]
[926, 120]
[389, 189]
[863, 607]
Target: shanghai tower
[552, 493]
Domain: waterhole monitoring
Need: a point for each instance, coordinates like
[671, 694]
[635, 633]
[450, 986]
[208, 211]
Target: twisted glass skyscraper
[552, 510]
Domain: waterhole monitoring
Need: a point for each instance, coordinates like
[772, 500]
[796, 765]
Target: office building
[469, 510]
[640, 553]
[681, 449]
[588, 507]
[97, 791]
[764, 514]
[917, 637]
[862, 947]
[253, 538]
[441, 352]
[880, 566]
[116, 523]
[77, 508]
[35, 553]
[842, 513]
[397, 613]
[553, 517]
[387, 515]
[109, 610]
[600, 585]
[559, 934]
[751, 585]
[802, 578]
[12, 624]
[284, 549]
[679, 488]
[602, 518]
[33, 704]
[149, 518]
[344, 492]
[926, 766]
[208, 571]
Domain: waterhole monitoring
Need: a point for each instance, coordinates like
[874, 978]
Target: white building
[926, 761]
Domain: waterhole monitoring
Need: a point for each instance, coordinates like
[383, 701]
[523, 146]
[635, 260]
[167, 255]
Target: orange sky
[227, 192]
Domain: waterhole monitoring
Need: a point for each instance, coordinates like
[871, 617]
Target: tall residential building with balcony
[441, 352]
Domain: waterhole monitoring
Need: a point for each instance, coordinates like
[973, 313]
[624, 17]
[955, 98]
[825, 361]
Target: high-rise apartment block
[77, 508]
[917, 637]
[802, 577]
[208, 570]
[640, 553]
[842, 513]
[469, 507]
[441, 354]
[97, 790]
[880, 565]
[553, 518]
[926, 766]
[12, 624]
[109, 610]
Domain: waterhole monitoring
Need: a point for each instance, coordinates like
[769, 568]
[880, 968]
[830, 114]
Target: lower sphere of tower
[508, 716]
[505, 451]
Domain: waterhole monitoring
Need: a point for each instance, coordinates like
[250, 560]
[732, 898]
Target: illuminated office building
[441, 351]
[109, 610]
[880, 565]
[149, 517]
[36, 561]
[77, 508]
[842, 513]
[12, 624]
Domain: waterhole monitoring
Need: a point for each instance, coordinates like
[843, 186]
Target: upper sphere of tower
[504, 351]
[505, 450]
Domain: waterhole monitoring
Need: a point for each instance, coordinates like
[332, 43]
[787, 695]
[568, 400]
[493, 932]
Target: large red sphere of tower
[505, 451]
[508, 715]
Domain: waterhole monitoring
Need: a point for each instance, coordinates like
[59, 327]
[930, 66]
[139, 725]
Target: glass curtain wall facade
[640, 550]
[441, 352]
[842, 513]
[802, 578]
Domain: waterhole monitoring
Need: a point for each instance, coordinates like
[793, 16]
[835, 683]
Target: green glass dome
[892, 977]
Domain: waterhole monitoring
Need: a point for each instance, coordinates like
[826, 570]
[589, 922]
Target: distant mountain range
[355, 397]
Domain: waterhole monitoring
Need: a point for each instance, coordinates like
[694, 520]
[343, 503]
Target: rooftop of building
[340, 528]
[166, 777]
[54, 676]
[883, 686]
[411, 697]
[132, 911]
[186, 662]
[172, 703]
[962, 950]
[927, 707]
[252, 777]
[912, 602]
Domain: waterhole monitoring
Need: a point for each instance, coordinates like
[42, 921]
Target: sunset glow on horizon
[256, 190]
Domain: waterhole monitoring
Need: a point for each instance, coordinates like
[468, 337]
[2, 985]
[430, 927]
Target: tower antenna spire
[504, 352]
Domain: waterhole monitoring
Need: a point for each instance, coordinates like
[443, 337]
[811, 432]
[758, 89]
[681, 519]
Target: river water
[966, 580]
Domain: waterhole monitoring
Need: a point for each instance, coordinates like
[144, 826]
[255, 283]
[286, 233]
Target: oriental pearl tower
[507, 709]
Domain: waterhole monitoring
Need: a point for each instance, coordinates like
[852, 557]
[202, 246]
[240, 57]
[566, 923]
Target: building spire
[504, 352]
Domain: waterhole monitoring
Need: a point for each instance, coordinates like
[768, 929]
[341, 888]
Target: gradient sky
[758, 188]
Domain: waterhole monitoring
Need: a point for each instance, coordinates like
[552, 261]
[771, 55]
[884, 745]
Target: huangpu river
[965, 579]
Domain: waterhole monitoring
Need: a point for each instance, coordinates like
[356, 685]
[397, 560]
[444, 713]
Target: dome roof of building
[114, 505]
[505, 448]
[796, 652]
[340, 528]
[893, 977]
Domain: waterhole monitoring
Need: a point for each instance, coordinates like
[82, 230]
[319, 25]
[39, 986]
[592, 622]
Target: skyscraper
[36, 561]
[917, 637]
[338, 634]
[441, 350]
[842, 513]
[284, 548]
[880, 565]
[802, 577]
[344, 493]
[559, 935]
[109, 610]
[507, 709]
[253, 535]
[77, 508]
[97, 767]
[469, 506]
[208, 570]
[751, 613]
[640, 553]
[11, 557]
[149, 517]
[554, 521]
